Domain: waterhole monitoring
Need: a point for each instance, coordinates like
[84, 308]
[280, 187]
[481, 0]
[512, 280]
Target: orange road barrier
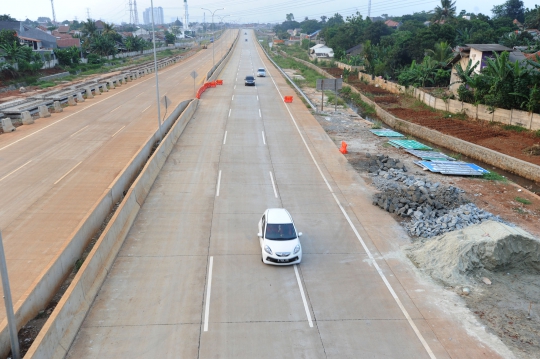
[288, 99]
[219, 82]
[205, 86]
[343, 148]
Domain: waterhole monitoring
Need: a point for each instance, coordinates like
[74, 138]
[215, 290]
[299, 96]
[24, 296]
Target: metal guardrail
[290, 80]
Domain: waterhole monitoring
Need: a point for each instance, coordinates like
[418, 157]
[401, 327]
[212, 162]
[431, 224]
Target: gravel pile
[434, 208]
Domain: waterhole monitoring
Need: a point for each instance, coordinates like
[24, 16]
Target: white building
[159, 19]
[321, 51]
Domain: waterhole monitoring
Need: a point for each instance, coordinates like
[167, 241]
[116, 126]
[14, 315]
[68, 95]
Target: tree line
[419, 50]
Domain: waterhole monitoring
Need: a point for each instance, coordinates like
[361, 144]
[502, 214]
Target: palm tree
[446, 11]
[463, 36]
[108, 29]
[89, 28]
[13, 53]
[442, 53]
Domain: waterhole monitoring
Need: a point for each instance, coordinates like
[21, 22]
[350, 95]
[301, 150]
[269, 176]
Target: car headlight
[267, 250]
[297, 248]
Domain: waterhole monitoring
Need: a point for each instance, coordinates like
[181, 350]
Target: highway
[52, 172]
[189, 283]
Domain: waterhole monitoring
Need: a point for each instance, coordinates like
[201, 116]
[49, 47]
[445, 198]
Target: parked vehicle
[279, 240]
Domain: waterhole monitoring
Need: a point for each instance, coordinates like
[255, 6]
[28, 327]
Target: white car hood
[282, 246]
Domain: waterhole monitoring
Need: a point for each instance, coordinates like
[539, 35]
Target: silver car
[261, 72]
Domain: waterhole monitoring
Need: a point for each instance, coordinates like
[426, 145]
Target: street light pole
[213, 37]
[221, 36]
[156, 71]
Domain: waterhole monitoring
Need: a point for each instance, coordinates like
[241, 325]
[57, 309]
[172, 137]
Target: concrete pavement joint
[381, 274]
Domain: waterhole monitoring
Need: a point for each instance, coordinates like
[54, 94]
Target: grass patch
[494, 176]
[522, 200]
[387, 145]
[310, 75]
[420, 106]
[296, 51]
[376, 125]
[514, 128]
[536, 133]
[332, 99]
[46, 84]
[519, 210]
[456, 156]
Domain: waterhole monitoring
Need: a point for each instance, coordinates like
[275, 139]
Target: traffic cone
[343, 148]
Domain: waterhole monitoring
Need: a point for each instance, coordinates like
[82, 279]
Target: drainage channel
[523, 182]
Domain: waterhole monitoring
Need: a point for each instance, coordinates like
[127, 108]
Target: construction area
[507, 139]
[477, 236]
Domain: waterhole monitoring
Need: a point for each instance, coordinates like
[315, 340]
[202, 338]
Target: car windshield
[261, 70]
[280, 232]
[249, 78]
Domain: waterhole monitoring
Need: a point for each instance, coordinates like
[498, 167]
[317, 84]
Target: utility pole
[156, 71]
[135, 13]
[87, 13]
[130, 5]
[53, 14]
[214, 40]
[369, 9]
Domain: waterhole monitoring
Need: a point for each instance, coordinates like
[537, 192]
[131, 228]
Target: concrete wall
[481, 112]
[61, 328]
[494, 158]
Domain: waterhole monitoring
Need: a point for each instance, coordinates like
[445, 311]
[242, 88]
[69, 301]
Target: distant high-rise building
[158, 16]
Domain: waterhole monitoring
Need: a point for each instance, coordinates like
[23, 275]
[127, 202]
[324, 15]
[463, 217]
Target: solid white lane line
[230, 112]
[264, 139]
[225, 138]
[118, 131]
[273, 184]
[12, 172]
[260, 113]
[308, 313]
[68, 172]
[208, 290]
[368, 252]
[79, 131]
[218, 184]
[146, 108]
[117, 108]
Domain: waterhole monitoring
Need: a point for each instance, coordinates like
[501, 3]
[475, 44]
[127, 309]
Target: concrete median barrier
[89, 94]
[57, 107]
[7, 126]
[71, 101]
[26, 118]
[43, 111]
[80, 97]
[61, 328]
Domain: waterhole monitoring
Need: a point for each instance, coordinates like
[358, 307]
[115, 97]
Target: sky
[241, 11]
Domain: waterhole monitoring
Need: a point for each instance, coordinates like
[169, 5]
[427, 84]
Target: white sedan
[279, 240]
[261, 72]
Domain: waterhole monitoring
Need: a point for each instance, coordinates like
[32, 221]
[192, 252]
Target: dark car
[250, 81]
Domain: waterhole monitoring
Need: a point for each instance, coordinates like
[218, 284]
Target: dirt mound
[490, 245]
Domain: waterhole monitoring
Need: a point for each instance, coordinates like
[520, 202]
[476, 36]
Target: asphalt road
[189, 282]
[52, 172]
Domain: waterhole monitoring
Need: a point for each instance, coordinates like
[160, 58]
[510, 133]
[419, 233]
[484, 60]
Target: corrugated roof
[489, 47]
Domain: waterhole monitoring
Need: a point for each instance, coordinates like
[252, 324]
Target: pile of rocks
[463, 216]
[433, 207]
[384, 163]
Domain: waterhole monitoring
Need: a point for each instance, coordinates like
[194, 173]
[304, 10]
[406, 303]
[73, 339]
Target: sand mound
[490, 245]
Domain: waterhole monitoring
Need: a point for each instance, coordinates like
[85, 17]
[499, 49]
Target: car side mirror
[259, 234]
[299, 234]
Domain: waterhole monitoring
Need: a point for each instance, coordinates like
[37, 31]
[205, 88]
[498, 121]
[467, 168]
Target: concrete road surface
[52, 172]
[189, 282]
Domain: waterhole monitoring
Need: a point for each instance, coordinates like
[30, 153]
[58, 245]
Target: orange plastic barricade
[343, 148]
[212, 84]
[288, 99]
[219, 82]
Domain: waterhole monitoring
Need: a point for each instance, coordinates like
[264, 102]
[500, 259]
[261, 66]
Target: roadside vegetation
[419, 49]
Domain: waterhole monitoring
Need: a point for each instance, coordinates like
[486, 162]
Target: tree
[289, 17]
[89, 28]
[323, 19]
[169, 38]
[8, 37]
[446, 11]
[442, 53]
[335, 20]
[532, 18]
[309, 26]
[14, 52]
[6, 17]
[375, 31]
[513, 9]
